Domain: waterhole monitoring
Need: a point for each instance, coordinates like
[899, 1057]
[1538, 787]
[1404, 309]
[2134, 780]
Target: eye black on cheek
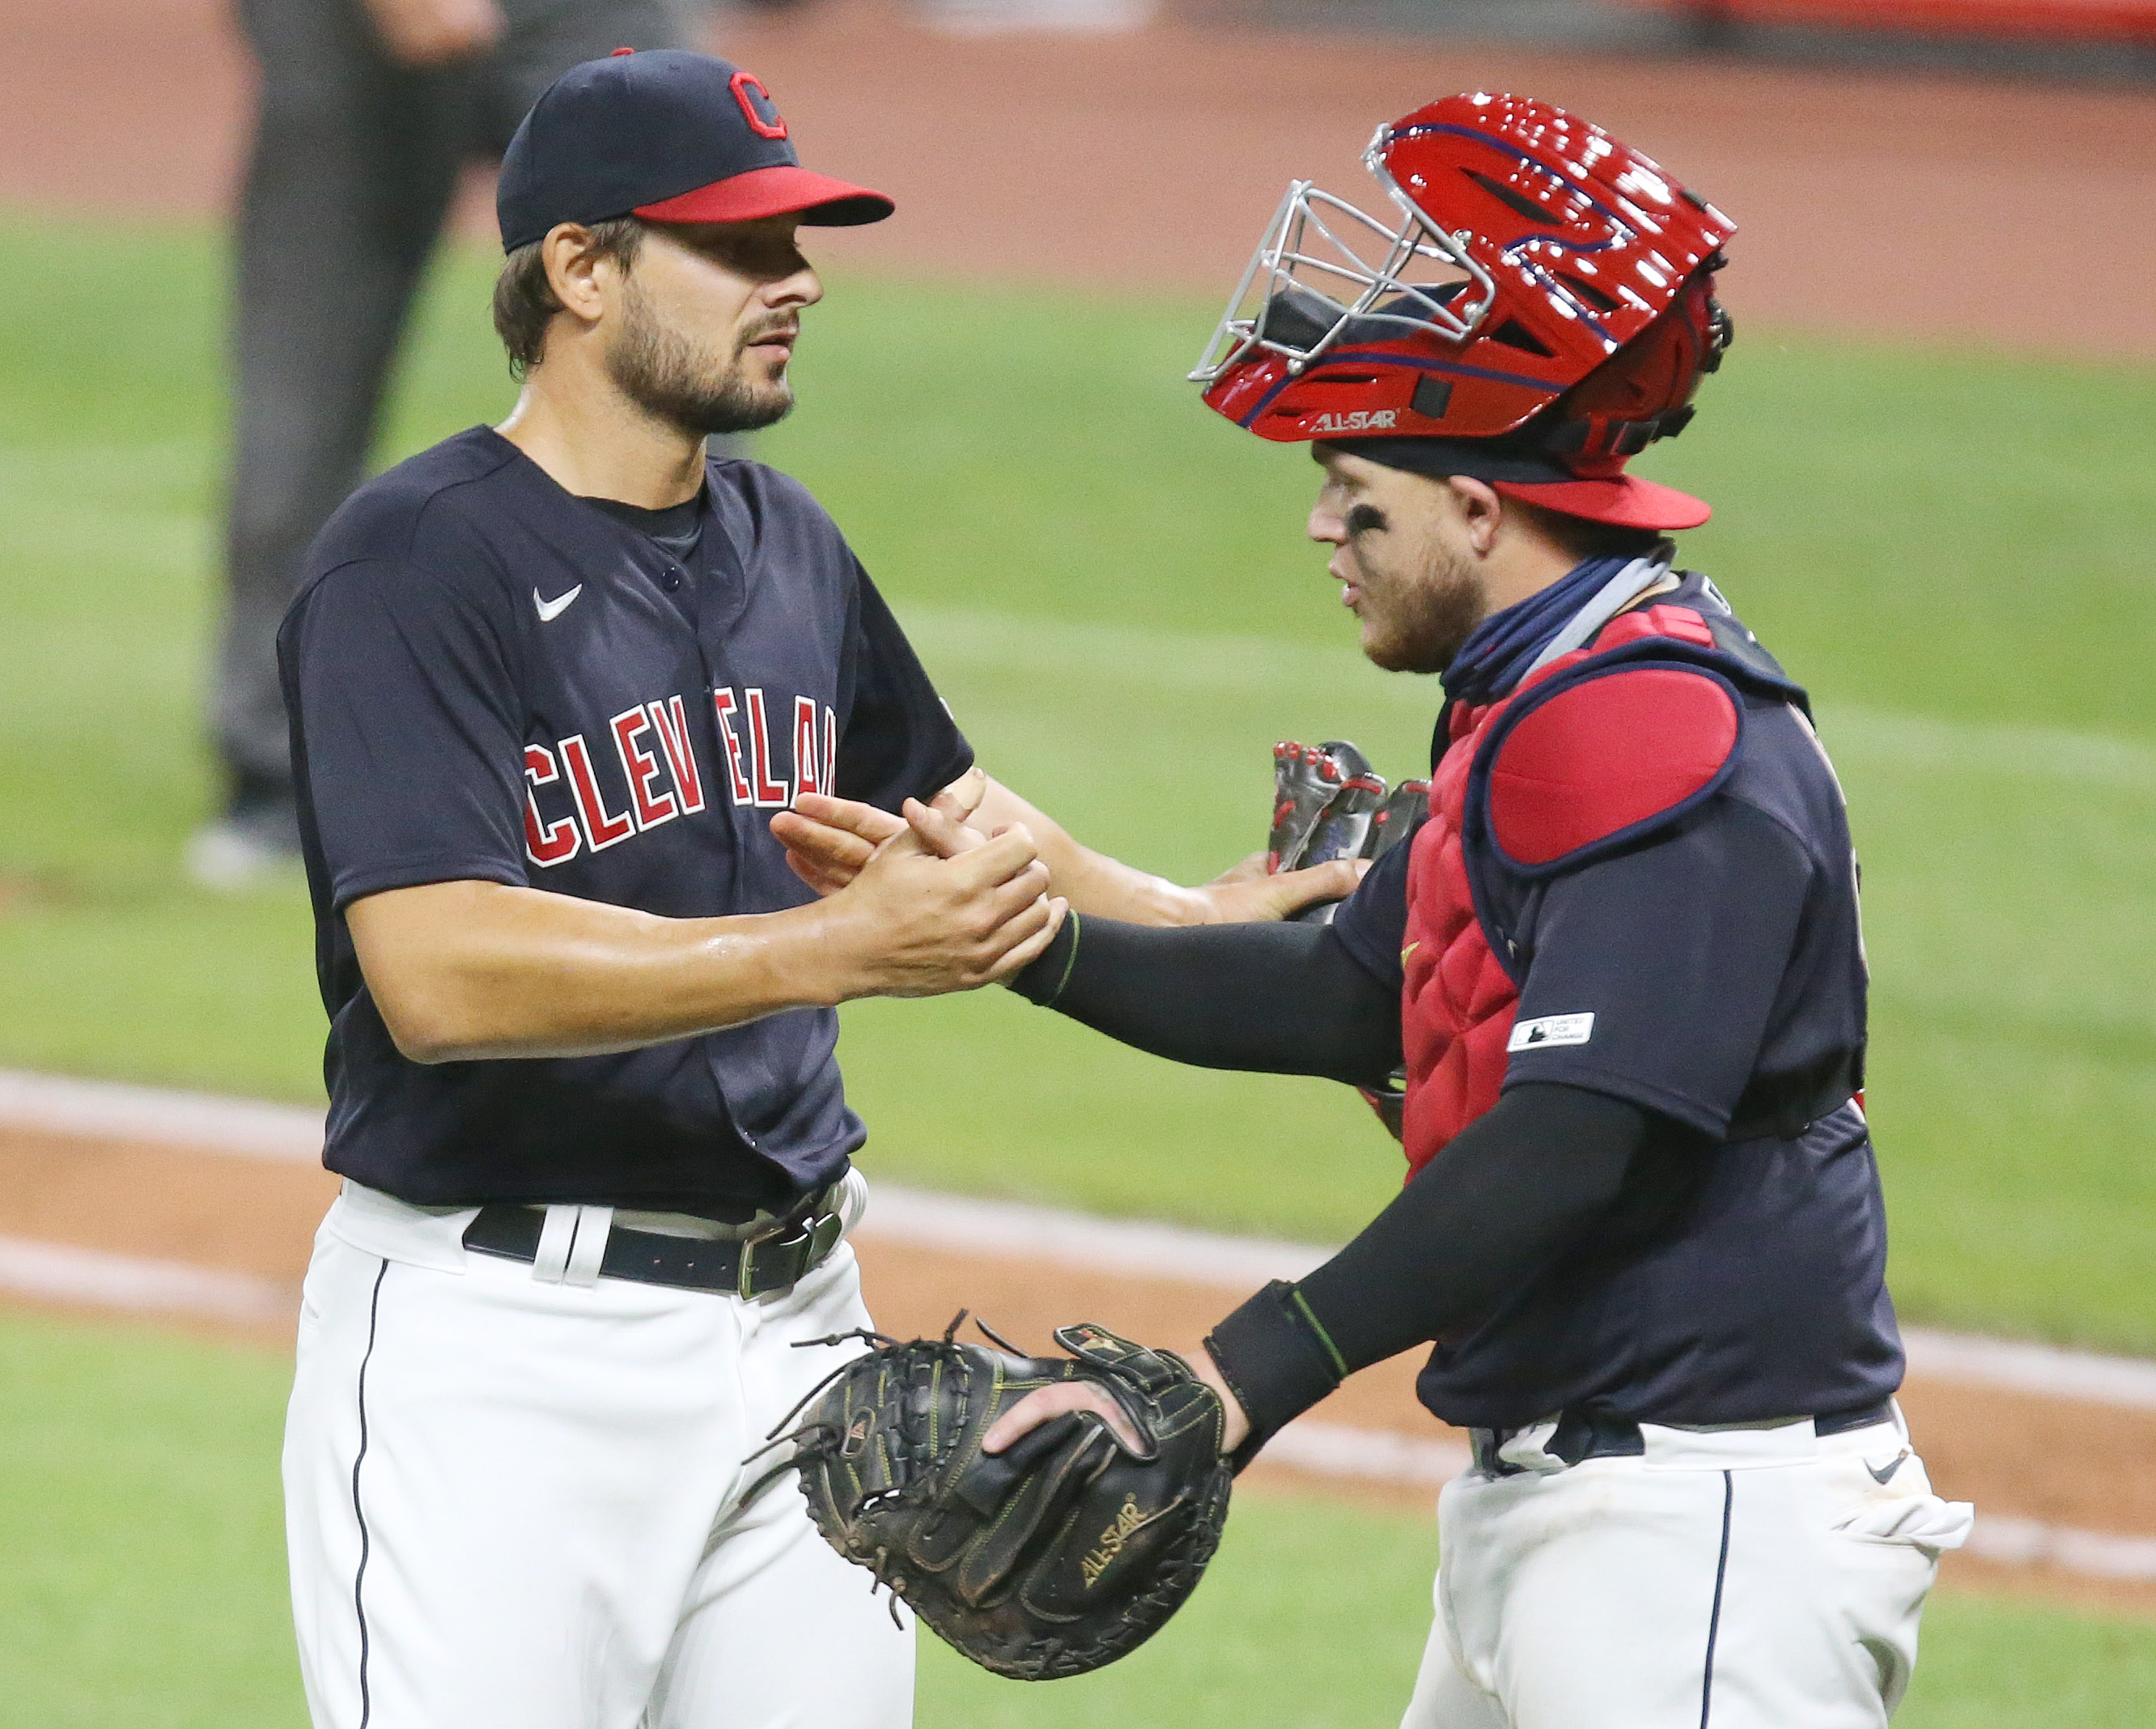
[1365, 519]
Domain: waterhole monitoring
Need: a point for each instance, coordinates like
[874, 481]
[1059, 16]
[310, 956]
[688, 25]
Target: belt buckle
[819, 1236]
[824, 1231]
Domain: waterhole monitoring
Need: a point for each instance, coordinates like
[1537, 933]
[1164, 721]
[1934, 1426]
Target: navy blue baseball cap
[669, 136]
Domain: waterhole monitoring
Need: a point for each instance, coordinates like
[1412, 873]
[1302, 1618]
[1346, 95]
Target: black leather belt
[1602, 1434]
[742, 1267]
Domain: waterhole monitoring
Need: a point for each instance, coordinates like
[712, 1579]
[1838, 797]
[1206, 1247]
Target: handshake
[971, 887]
[922, 902]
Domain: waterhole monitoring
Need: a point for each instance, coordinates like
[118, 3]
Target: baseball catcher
[1620, 960]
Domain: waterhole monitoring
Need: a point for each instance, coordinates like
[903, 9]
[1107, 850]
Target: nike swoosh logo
[1894, 1465]
[549, 610]
[1407, 951]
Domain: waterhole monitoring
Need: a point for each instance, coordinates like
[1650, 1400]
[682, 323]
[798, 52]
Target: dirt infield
[2002, 215]
[2062, 1462]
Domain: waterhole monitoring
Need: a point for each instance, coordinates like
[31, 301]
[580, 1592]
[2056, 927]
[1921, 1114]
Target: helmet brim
[1624, 501]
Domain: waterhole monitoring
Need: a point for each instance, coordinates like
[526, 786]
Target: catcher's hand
[1055, 1556]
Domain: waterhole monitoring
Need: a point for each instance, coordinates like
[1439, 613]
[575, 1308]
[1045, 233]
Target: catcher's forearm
[1477, 1222]
[1282, 999]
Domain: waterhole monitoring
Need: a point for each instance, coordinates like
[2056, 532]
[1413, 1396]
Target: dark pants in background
[355, 162]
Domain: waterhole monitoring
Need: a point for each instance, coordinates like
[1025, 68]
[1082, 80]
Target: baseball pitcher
[548, 683]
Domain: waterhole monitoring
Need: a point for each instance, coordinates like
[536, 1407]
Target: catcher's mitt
[1051, 1558]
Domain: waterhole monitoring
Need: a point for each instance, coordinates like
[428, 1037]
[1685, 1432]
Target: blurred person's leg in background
[354, 162]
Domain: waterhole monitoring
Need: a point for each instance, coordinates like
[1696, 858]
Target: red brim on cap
[817, 199]
[1624, 502]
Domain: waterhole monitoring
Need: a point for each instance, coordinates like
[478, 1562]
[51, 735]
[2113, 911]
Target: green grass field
[1110, 584]
[144, 1585]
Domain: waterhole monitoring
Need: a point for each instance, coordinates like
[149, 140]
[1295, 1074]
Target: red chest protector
[1592, 753]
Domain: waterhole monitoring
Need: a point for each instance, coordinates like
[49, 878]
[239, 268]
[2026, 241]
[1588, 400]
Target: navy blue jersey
[1713, 973]
[490, 679]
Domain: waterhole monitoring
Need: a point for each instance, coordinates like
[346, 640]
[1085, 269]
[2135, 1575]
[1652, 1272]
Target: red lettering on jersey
[723, 702]
[671, 720]
[830, 752]
[549, 843]
[769, 792]
[602, 827]
[808, 775]
[642, 769]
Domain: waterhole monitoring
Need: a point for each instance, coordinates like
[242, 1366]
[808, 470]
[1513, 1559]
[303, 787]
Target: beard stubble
[674, 380]
[1422, 630]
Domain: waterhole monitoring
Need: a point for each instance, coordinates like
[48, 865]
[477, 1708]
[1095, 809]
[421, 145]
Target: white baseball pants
[1757, 1578]
[517, 1504]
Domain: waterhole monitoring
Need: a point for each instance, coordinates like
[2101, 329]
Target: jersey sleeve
[900, 742]
[1372, 923]
[408, 729]
[1655, 973]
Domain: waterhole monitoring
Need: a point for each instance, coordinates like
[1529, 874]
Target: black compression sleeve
[1514, 1189]
[1285, 999]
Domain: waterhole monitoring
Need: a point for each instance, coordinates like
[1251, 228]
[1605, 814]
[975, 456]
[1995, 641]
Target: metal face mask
[1528, 247]
[1325, 270]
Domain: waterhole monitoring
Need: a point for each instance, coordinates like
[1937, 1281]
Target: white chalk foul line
[1378, 1455]
[53, 1272]
[107, 1110]
[2009, 1365]
[2095, 1554]
[1070, 1239]
[976, 640]
[1332, 1449]
[1016, 1231]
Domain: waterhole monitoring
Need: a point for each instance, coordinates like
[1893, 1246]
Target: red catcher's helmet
[1542, 283]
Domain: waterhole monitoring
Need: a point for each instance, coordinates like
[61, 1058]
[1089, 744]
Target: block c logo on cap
[741, 84]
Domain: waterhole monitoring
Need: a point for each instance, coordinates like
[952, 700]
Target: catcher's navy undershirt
[491, 680]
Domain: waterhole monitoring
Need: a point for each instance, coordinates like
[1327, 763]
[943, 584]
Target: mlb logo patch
[1551, 1030]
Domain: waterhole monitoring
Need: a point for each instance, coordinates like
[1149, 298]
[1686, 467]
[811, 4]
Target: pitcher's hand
[829, 839]
[913, 923]
[1245, 894]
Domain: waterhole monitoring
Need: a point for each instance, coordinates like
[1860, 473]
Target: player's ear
[573, 259]
[1480, 512]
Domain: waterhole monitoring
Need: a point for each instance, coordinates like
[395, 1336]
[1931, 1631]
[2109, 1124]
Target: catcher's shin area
[1057, 1556]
